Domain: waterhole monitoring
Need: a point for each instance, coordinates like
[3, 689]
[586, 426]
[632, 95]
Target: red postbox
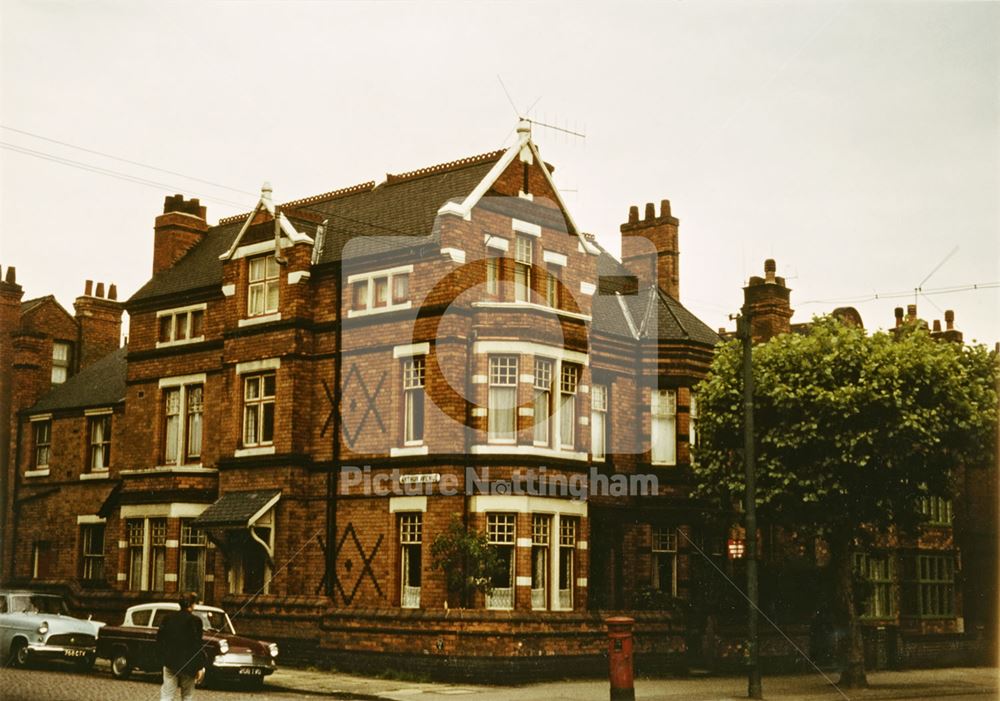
[620, 658]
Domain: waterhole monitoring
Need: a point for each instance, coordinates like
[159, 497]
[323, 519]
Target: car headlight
[273, 647]
[223, 646]
[44, 628]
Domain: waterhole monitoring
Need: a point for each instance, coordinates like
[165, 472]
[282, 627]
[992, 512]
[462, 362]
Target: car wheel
[19, 654]
[121, 668]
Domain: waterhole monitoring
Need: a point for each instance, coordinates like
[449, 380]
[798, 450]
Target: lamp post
[754, 690]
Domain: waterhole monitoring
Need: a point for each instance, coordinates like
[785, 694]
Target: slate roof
[29, 304]
[375, 218]
[100, 384]
[653, 313]
[235, 509]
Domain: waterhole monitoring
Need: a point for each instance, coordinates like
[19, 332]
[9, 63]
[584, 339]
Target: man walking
[181, 649]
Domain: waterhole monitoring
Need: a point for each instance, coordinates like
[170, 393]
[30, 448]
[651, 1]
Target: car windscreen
[215, 622]
[38, 603]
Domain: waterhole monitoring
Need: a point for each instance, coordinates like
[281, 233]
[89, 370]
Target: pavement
[977, 683]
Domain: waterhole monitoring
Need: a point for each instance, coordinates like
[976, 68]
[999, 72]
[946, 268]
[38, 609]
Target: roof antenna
[919, 289]
[523, 117]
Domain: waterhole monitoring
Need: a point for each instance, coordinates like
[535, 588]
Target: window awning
[237, 510]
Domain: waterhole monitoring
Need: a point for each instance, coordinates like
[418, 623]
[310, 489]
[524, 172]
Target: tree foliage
[469, 562]
[850, 431]
[850, 428]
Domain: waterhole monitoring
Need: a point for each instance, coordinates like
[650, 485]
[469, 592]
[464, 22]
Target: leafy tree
[851, 429]
[470, 563]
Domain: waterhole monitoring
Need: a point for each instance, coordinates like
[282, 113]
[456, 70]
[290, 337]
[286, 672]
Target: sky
[856, 143]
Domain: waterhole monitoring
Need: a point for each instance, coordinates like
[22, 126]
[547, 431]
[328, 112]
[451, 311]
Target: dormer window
[263, 290]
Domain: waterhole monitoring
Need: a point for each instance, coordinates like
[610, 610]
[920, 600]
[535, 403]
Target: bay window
[542, 401]
[663, 436]
[569, 378]
[502, 402]
[194, 546]
[146, 540]
[258, 409]
[567, 557]
[500, 533]
[541, 526]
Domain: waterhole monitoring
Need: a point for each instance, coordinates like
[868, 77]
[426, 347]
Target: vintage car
[36, 626]
[132, 645]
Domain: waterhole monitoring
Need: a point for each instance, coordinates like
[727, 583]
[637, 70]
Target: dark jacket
[179, 642]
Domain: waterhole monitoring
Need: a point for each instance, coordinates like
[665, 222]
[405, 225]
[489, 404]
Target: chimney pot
[633, 214]
[88, 288]
[898, 312]
[911, 311]
[949, 318]
[113, 292]
[11, 275]
[937, 326]
[664, 208]
[650, 211]
[769, 269]
[100, 290]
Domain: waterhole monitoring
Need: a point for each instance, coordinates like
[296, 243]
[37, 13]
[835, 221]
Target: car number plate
[75, 653]
[251, 671]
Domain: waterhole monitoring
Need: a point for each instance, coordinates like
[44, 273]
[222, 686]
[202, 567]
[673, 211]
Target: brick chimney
[10, 322]
[177, 230]
[100, 321]
[950, 333]
[770, 306]
[649, 248]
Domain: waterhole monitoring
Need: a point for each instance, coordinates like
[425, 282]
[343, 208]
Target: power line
[123, 160]
[903, 293]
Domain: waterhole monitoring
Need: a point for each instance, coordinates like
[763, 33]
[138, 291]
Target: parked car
[36, 627]
[132, 645]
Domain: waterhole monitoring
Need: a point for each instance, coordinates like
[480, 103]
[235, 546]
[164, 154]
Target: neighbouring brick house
[458, 319]
[928, 598]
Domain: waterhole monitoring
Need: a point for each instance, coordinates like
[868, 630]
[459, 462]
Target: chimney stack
[100, 321]
[911, 312]
[770, 303]
[950, 333]
[181, 226]
[649, 247]
[899, 316]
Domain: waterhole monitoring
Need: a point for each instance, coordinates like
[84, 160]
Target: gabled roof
[237, 509]
[647, 313]
[374, 217]
[101, 384]
[30, 305]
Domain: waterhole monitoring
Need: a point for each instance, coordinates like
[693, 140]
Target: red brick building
[490, 363]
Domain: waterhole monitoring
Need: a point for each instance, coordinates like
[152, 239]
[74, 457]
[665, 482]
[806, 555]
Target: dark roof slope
[235, 509]
[101, 384]
[373, 219]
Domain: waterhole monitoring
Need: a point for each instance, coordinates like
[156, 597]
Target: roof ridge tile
[393, 178]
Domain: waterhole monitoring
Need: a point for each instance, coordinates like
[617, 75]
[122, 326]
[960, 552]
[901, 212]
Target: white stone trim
[581, 545]
[411, 349]
[181, 310]
[172, 543]
[588, 288]
[526, 195]
[532, 305]
[525, 411]
[457, 255]
[497, 242]
[479, 411]
[511, 449]
[584, 420]
[44, 472]
[209, 577]
[256, 450]
[170, 469]
[583, 389]
[352, 313]
[407, 451]
[523, 504]
[102, 475]
[522, 581]
[98, 412]
[121, 577]
[84, 519]
[524, 542]
[526, 378]
[358, 277]
[253, 249]
[178, 510]
[479, 379]
[297, 276]
[530, 348]
[178, 380]
[398, 504]
[262, 319]
[122, 544]
[581, 581]
[40, 417]
[249, 366]
[228, 290]
[453, 208]
[554, 258]
[526, 227]
[169, 576]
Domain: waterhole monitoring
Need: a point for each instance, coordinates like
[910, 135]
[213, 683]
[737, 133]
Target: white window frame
[501, 531]
[664, 544]
[99, 445]
[146, 550]
[87, 554]
[193, 541]
[663, 427]
[569, 383]
[411, 525]
[180, 443]
[599, 422]
[541, 553]
[260, 288]
[693, 419]
[59, 363]
[41, 451]
[503, 377]
[259, 403]
[544, 376]
[414, 399]
[368, 279]
[181, 316]
[523, 258]
[568, 528]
